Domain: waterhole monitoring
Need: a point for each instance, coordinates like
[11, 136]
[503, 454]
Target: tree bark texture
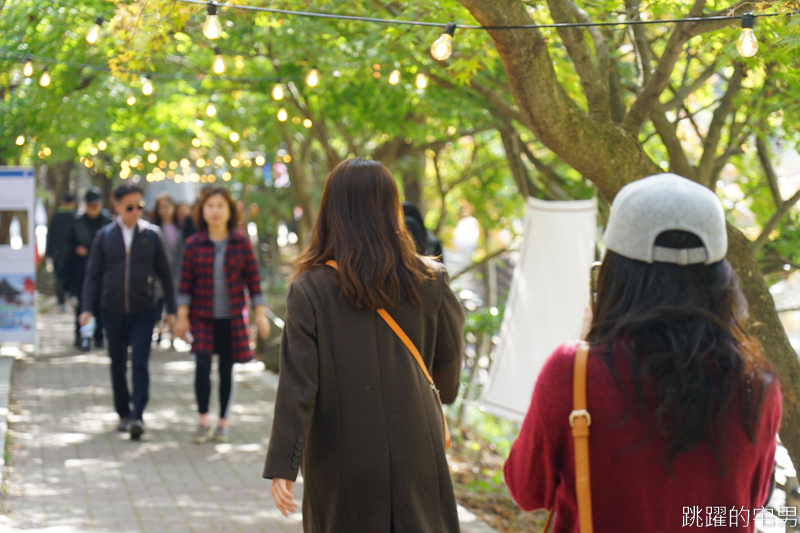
[610, 155]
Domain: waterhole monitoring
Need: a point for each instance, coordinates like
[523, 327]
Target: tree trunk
[611, 156]
[413, 172]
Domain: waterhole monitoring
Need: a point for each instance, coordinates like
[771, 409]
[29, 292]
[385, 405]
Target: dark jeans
[98, 333]
[61, 293]
[202, 374]
[134, 330]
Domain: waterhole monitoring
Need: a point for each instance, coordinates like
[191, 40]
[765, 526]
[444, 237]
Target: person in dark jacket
[427, 243]
[124, 262]
[354, 409]
[58, 244]
[84, 229]
[183, 214]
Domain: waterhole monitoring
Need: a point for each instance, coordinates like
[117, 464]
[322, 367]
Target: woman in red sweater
[684, 410]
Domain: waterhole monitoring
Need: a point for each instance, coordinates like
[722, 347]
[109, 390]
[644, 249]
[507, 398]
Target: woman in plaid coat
[217, 265]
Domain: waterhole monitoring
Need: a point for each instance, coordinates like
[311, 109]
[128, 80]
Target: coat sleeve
[535, 462]
[164, 270]
[94, 274]
[251, 276]
[297, 386]
[186, 285]
[449, 348]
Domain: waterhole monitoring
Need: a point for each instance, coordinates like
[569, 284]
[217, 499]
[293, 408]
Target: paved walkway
[71, 472]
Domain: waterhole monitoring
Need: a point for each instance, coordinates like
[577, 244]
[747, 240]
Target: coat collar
[233, 236]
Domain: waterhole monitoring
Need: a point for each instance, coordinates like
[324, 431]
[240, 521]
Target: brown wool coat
[355, 412]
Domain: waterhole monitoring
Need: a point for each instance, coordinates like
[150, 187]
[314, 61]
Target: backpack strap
[417, 357]
[580, 420]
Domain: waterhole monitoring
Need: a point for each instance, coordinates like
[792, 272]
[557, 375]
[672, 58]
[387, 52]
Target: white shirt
[127, 233]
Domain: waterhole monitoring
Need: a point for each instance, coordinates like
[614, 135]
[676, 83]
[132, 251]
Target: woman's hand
[282, 494]
[262, 323]
[181, 327]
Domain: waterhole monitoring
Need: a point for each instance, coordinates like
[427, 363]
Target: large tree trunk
[610, 155]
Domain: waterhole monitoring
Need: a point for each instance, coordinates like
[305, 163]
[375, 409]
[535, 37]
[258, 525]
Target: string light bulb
[443, 46]
[102, 145]
[219, 63]
[154, 146]
[312, 80]
[282, 115]
[28, 68]
[44, 81]
[20, 140]
[211, 110]
[422, 81]
[234, 137]
[260, 160]
[747, 44]
[131, 100]
[147, 87]
[277, 92]
[394, 77]
[212, 29]
[94, 33]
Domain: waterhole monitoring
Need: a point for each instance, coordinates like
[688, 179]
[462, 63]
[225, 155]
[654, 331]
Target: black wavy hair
[682, 332]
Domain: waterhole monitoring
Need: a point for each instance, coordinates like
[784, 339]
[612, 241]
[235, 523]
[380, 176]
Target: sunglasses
[138, 207]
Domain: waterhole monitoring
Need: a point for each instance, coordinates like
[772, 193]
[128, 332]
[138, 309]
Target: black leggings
[202, 375]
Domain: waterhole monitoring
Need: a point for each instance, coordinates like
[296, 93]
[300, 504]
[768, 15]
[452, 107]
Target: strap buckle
[434, 389]
[580, 412]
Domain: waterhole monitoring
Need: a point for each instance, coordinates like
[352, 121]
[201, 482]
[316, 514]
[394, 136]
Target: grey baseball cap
[646, 208]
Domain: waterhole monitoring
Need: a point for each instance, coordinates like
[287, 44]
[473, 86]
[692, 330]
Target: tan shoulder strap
[411, 348]
[580, 420]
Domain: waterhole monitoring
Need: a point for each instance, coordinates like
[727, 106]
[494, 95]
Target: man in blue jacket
[124, 261]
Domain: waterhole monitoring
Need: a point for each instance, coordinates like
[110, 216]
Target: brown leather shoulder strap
[411, 348]
[580, 420]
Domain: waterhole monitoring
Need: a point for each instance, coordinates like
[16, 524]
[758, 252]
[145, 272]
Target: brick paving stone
[71, 472]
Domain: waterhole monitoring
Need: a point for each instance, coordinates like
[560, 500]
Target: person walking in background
[83, 232]
[163, 216]
[684, 409]
[427, 243]
[124, 262]
[57, 248]
[218, 264]
[183, 214]
[354, 408]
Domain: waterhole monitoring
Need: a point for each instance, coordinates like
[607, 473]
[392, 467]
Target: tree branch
[769, 170]
[667, 131]
[773, 222]
[477, 264]
[706, 165]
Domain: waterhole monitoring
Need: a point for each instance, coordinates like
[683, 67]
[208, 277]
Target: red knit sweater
[632, 491]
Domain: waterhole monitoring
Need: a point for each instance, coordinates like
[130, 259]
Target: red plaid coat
[197, 273]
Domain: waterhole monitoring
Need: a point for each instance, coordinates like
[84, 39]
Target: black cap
[94, 194]
[68, 198]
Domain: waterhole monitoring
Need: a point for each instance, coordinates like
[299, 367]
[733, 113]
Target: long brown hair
[681, 328]
[207, 192]
[155, 216]
[360, 225]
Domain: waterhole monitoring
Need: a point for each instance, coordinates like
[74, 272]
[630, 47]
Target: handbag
[417, 357]
[580, 420]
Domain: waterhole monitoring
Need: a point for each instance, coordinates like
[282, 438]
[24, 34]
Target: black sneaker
[124, 424]
[136, 429]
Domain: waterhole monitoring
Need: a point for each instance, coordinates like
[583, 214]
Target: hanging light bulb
[28, 68]
[154, 146]
[282, 115]
[131, 100]
[20, 140]
[211, 110]
[260, 160]
[94, 33]
[147, 87]
[394, 77]
[747, 45]
[212, 29]
[422, 81]
[44, 81]
[219, 63]
[313, 78]
[277, 92]
[234, 137]
[443, 46]
[102, 145]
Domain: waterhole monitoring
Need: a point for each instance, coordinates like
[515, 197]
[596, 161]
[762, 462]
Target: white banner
[549, 292]
[17, 255]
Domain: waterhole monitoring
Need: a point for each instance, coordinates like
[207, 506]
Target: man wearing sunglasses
[124, 262]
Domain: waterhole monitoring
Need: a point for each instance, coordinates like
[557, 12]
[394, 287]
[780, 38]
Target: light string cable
[473, 27]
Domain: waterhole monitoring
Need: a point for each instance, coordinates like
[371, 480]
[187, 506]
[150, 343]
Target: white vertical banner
[549, 292]
[17, 255]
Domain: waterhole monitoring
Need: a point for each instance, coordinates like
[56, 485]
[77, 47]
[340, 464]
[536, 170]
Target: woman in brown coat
[354, 410]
